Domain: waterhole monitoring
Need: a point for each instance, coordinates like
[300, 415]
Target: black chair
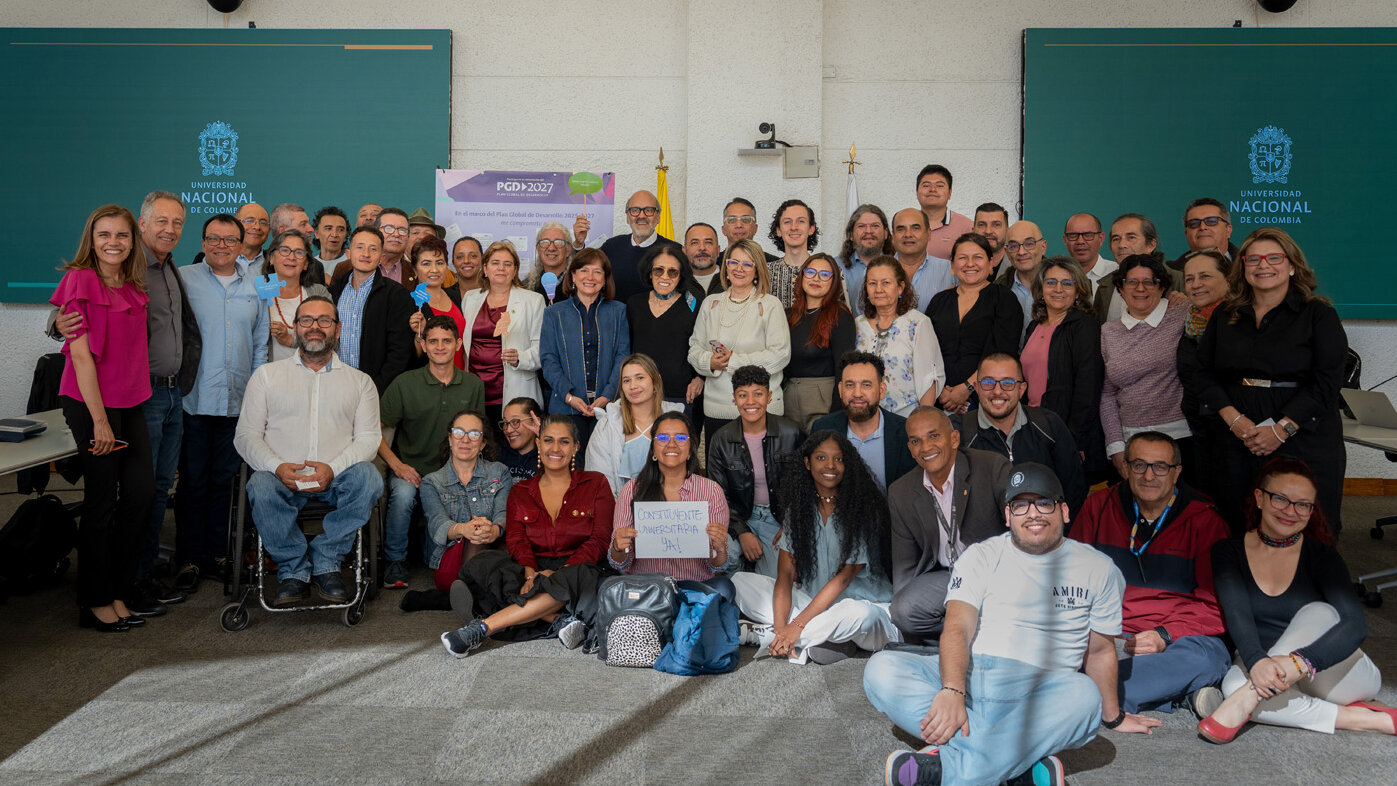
[243, 581]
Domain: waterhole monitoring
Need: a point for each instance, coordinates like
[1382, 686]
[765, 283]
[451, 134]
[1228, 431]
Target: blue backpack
[704, 640]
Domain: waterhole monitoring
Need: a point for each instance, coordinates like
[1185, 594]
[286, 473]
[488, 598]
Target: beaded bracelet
[1302, 664]
[954, 690]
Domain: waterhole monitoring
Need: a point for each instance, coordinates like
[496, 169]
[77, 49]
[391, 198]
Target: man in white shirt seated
[1036, 607]
[309, 429]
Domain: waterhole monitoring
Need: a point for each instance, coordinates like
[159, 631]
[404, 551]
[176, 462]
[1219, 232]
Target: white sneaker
[750, 634]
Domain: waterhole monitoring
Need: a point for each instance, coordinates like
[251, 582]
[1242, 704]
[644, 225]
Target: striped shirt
[694, 489]
[351, 312]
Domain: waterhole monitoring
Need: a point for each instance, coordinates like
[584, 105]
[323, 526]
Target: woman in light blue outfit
[473, 509]
[620, 444]
[832, 593]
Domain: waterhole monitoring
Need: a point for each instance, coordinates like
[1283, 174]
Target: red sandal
[1390, 712]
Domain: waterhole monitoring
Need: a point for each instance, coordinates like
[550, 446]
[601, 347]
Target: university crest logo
[218, 149]
[1270, 155]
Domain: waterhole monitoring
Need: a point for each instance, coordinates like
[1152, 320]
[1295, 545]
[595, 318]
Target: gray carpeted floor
[301, 699]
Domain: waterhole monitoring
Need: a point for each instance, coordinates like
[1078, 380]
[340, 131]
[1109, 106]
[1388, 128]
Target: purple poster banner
[492, 205]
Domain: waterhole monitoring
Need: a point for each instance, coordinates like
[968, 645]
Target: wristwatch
[1289, 428]
[1164, 634]
[1111, 724]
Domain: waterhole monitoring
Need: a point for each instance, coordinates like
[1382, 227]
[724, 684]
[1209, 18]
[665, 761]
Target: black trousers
[118, 489]
[208, 464]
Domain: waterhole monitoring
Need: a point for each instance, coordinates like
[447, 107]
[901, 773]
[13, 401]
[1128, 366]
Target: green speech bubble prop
[584, 183]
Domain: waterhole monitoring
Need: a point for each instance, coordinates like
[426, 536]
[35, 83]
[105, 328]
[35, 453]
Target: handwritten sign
[671, 530]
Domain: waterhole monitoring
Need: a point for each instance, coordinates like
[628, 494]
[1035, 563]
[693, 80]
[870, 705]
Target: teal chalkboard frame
[322, 117]
[1145, 120]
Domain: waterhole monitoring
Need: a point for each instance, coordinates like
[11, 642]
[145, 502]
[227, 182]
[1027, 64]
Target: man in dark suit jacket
[878, 435]
[379, 341]
[625, 251]
[955, 501]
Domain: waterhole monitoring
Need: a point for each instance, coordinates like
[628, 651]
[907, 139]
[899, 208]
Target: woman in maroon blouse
[557, 527]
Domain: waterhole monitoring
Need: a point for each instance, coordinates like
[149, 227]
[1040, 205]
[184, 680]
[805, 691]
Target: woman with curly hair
[831, 593]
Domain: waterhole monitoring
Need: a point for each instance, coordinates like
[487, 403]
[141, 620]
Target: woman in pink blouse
[672, 475]
[106, 379]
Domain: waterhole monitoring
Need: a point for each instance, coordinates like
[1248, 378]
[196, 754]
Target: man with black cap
[1027, 609]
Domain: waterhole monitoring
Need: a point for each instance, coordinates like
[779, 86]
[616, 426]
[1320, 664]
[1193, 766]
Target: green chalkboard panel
[1144, 121]
[320, 116]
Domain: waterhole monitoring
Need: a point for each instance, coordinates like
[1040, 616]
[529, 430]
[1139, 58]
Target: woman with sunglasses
[286, 259]
[745, 325]
[672, 475]
[465, 499]
[1142, 391]
[1269, 367]
[662, 319]
[620, 444]
[822, 330]
[1292, 614]
[971, 320]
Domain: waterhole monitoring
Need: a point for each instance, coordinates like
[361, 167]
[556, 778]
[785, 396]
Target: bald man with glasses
[625, 251]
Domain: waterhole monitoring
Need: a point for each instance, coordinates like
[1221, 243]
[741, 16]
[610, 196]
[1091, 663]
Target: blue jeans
[402, 501]
[764, 526]
[164, 416]
[1156, 681]
[274, 508]
[1018, 713]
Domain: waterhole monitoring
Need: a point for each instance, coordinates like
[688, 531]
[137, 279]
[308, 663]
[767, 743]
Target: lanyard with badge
[952, 532]
[1155, 527]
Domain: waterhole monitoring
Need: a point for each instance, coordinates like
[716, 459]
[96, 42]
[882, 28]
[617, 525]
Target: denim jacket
[446, 500]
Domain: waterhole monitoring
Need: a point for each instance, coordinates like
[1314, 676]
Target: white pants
[868, 625]
[1312, 703]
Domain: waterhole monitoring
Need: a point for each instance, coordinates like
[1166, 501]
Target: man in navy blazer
[878, 435]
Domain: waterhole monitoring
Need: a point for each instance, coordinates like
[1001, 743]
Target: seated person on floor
[1024, 612]
[953, 502]
[465, 499]
[745, 459]
[292, 433]
[1160, 533]
[545, 583]
[415, 412]
[519, 424]
[1004, 424]
[672, 475]
[620, 443]
[831, 592]
[1293, 616]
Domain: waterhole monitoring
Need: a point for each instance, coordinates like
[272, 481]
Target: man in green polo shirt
[419, 406]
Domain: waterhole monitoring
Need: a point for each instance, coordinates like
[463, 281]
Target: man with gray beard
[292, 434]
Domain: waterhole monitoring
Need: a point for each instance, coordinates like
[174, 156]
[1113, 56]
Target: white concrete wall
[603, 87]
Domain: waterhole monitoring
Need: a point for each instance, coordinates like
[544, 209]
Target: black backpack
[35, 544]
[634, 618]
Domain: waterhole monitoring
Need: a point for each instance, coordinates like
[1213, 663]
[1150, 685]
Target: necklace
[744, 300]
[826, 500]
[1278, 543]
[664, 297]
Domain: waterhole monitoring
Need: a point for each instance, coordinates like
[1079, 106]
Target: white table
[1384, 439]
[55, 443]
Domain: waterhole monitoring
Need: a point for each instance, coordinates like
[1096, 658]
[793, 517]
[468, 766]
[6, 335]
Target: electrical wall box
[802, 162]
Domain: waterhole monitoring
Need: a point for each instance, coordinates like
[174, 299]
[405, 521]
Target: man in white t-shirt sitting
[1036, 607]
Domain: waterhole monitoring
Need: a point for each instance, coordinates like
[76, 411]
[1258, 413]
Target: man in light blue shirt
[234, 324]
[927, 273]
[866, 236]
[365, 250]
[879, 436]
[1025, 247]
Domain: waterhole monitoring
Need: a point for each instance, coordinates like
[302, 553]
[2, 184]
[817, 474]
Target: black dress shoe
[330, 587]
[133, 621]
[86, 619]
[291, 592]
[159, 591]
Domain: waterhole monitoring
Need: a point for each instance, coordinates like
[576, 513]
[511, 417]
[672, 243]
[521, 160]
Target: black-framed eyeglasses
[1212, 221]
[1073, 237]
[1007, 383]
[1019, 507]
[322, 321]
[679, 439]
[823, 275]
[664, 272]
[641, 211]
[1280, 502]
[1027, 245]
[1138, 466]
[471, 434]
[231, 240]
[288, 251]
[1142, 283]
[512, 423]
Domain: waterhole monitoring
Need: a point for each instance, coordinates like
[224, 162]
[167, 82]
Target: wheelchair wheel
[234, 617]
[353, 615]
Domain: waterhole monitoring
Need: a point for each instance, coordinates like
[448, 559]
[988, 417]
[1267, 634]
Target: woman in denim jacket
[473, 509]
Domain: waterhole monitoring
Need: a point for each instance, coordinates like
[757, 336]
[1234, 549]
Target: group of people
[895, 445]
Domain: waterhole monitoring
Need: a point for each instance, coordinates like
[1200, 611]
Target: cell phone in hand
[717, 346]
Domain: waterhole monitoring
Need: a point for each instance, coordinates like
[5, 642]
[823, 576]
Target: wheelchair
[244, 582]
